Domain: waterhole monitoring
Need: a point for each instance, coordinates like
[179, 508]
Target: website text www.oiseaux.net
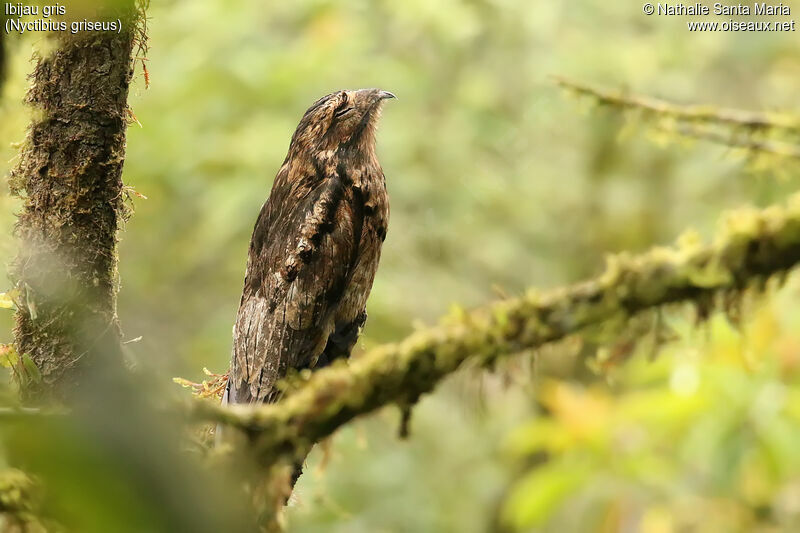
[738, 25]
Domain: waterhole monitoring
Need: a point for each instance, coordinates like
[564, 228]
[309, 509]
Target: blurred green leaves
[119, 462]
[542, 490]
[708, 426]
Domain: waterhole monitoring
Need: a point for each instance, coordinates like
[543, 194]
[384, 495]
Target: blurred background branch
[736, 140]
[695, 113]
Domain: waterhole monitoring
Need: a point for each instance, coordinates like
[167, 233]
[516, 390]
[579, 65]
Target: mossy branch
[751, 247]
[18, 497]
[692, 113]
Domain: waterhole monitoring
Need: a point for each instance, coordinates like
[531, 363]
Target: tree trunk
[3, 51]
[69, 175]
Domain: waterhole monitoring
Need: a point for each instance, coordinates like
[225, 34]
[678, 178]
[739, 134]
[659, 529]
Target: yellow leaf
[763, 330]
[8, 356]
[582, 413]
[6, 301]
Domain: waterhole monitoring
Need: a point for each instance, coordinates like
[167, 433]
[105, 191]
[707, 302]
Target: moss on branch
[17, 495]
[752, 245]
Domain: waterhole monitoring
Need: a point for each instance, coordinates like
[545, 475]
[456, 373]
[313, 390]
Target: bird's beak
[385, 95]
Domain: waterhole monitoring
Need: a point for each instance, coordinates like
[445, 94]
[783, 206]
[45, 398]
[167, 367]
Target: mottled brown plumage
[315, 248]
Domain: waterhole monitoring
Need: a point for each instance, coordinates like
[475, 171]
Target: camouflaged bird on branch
[315, 248]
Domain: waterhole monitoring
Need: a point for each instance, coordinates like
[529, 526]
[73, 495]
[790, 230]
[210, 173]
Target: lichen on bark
[69, 176]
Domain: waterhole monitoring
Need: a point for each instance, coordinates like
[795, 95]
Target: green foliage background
[498, 182]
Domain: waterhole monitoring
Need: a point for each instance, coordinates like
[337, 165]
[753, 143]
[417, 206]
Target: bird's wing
[304, 246]
[342, 339]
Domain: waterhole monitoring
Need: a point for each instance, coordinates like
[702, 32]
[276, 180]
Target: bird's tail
[218, 430]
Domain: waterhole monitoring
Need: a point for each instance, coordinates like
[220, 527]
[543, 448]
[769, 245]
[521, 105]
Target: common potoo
[315, 248]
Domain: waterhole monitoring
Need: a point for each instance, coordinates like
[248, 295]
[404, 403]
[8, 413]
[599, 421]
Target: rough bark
[69, 175]
[3, 46]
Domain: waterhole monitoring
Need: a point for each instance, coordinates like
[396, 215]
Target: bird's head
[344, 120]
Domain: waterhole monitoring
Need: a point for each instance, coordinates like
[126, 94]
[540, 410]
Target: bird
[314, 250]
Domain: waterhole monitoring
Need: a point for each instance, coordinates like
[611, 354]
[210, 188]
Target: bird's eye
[342, 112]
